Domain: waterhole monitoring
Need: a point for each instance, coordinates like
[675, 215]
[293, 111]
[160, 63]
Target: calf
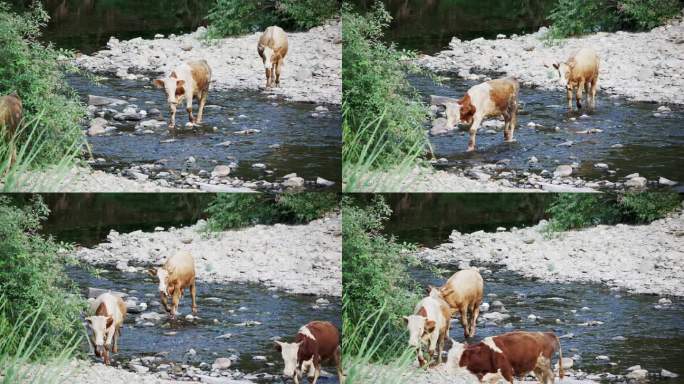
[579, 72]
[177, 274]
[429, 323]
[493, 98]
[10, 115]
[317, 341]
[110, 312]
[272, 48]
[189, 80]
[463, 292]
[513, 354]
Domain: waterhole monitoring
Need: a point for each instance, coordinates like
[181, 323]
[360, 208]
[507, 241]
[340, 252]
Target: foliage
[31, 277]
[383, 114]
[570, 210]
[51, 132]
[577, 17]
[374, 275]
[234, 17]
[239, 210]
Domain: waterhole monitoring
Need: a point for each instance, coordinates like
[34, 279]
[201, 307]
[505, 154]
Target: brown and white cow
[189, 80]
[11, 110]
[493, 98]
[177, 274]
[429, 324]
[316, 341]
[272, 49]
[463, 292]
[110, 313]
[513, 354]
[579, 72]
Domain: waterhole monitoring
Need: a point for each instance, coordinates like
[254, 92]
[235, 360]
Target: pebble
[602, 357]
[259, 165]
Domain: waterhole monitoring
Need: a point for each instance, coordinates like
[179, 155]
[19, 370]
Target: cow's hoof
[470, 149]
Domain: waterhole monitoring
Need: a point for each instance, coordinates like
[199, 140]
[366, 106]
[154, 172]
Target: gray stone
[100, 101]
[321, 182]
[636, 182]
[95, 292]
[97, 126]
[221, 363]
[220, 171]
[668, 374]
[562, 171]
[667, 182]
[294, 182]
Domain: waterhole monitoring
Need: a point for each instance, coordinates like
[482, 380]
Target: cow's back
[521, 349]
[201, 74]
[586, 64]
[464, 286]
[327, 337]
[275, 38]
[108, 304]
[181, 266]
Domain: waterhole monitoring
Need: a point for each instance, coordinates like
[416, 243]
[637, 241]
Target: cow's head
[175, 89]
[466, 109]
[418, 327]
[434, 292]
[454, 357]
[563, 70]
[289, 352]
[99, 325]
[163, 276]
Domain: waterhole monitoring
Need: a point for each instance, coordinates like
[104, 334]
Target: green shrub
[32, 276]
[374, 276]
[235, 17]
[577, 17]
[33, 71]
[579, 210]
[237, 210]
[383, 115]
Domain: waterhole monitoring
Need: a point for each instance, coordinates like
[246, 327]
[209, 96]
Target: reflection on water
[428, 25]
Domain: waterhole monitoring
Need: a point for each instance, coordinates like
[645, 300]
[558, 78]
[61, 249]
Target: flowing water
[649, 145]
[290, 139]
[223, 309]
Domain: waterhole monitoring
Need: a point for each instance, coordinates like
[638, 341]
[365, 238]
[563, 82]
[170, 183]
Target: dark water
[652, 146]
[654, 337]
[429, 219]
[428, 25]
[280, 314]
[308, 146]
[87, 25]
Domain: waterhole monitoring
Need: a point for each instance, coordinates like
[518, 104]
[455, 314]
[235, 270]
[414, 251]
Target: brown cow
[317, 341]
[580, 71]
[189, 80]
[272, 49]
[513, 354]
[11, 111]
[497, 97]
[177, 274]
[429, 324]
[110, 313]
[463, 292]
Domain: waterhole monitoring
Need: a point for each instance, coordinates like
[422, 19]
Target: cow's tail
[561, 373]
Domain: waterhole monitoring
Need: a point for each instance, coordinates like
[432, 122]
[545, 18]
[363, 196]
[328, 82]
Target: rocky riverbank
[644, 66]
[301, 259]
[638, 258]
[312, 70]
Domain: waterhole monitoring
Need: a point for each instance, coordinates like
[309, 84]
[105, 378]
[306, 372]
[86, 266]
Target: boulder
[636, 182]
[294, 182]
[220, 171]
[562, 171]
[221, 363]
[100, 101]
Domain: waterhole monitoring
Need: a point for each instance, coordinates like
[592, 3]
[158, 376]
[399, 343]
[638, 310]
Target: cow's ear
[89, 319]
[278, 346]
[110, 320]
[555, 65]
[159, 83]
[180, 83]
[430, 325]
[152, 271]
[429, 289]
[406, 319]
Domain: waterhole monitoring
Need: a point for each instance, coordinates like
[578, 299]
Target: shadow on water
[649, 145]
[428, 26]
[291, 140]
[279, 314]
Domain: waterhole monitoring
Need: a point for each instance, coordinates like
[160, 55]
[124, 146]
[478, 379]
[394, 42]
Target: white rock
[636, 182]
[664, 181]
[321, 182]
[638, 374]
[562, 171]
[221, 363]
[220, 171]
[665, 373]
[259, 165]
[294, 182]
[602, 357]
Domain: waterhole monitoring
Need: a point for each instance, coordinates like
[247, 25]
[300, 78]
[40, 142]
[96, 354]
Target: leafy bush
[239, 210]
[570, 211]
[383, 114]
[577, 17]
[33, 70]
[234, 17]
[374, 275]
[31, 277]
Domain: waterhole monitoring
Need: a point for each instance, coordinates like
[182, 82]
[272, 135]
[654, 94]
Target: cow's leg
[202, 102]
[473, 132]
[164, 301]
[175, 300]
[464, 320]
[115, 349]
[172, 119]
[580, 86]
[421, 359]
[193, 291]
[277, 73]
[317, 367]
[513, 121]
[338, 363]
[473, 319]
[507, 126]
[569, 90]
[440, 344]
[594, 86]
[188, 107]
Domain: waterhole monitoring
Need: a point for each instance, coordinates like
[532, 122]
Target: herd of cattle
[187, 82]
[509, 355]
[499, 97]
[314, 343]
